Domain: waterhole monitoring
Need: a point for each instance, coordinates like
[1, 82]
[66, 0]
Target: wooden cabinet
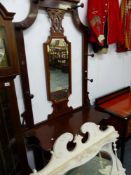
[12, 150]
[13, 159]
[8, 151]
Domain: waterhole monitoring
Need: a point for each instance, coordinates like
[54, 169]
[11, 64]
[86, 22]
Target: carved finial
[56, 17]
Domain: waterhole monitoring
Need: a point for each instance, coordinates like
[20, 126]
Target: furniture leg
[123, 141]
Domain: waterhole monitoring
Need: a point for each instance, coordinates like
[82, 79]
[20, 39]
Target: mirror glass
[100, 164]
[4, 62]
[58, 68]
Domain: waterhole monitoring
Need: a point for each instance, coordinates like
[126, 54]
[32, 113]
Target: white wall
[110, 71]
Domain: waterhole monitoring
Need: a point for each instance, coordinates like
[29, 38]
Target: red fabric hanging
[97, 13]
[124, 43]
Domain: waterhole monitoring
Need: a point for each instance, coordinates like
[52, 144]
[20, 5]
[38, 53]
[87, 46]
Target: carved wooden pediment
[63, 160]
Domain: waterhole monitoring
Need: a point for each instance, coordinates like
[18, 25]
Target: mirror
[100, 164]
[58, 67]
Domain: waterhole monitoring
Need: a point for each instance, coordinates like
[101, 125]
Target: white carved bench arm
[63, 160]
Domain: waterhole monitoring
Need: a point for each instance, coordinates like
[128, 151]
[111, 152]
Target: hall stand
[41, 137]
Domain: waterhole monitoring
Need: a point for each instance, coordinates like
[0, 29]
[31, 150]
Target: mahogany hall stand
[63, 119]
[118, 105]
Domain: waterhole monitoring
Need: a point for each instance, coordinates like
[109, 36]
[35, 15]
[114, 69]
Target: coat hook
[29, 95]
[76, 6]
[91, 80]
[91, 55]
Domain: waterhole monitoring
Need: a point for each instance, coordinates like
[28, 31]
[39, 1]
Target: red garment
[124, 43]
[98, 12]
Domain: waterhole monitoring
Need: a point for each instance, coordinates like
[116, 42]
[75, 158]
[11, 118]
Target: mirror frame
[48, 84]
[56, 16]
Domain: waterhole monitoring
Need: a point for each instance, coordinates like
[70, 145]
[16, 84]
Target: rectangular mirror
[58, 63]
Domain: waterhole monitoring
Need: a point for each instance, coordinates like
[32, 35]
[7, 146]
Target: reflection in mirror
[58, 67]
[99, 165]
[3, 51]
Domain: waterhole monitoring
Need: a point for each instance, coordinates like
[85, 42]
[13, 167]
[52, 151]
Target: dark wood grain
[48, 131]
[27, 96]
[30, 19]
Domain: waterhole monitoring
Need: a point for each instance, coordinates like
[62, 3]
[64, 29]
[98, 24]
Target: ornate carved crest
[64, 160]
[56, 16]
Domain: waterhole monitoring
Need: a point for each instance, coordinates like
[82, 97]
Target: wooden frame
[59, 97]
[67, 7]
[50, 39]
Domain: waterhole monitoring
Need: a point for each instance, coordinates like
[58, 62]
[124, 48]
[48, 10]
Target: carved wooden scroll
[56, 17]
[63, 160]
